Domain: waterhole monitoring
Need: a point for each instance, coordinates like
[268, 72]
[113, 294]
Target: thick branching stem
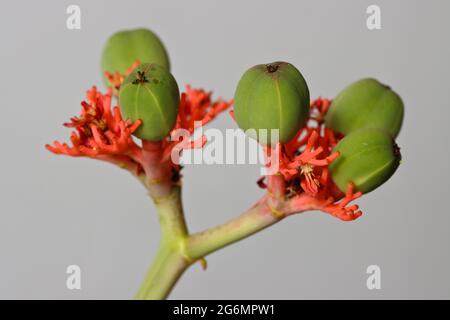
[178, 250]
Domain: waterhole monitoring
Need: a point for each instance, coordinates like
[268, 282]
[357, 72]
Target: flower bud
[150, 93]
[366, 103]
[272, 96]
[368, 158]
[125, 47]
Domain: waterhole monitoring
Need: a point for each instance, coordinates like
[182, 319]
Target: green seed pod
[368, 158]
[125, 47]
[150, 93]
[272, 96]
[366, 103]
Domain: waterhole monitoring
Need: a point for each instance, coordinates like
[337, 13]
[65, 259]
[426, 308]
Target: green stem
[170, 261]
[165, 271]
[257, 218]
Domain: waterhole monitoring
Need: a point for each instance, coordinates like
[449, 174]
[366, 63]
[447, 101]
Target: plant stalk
[170, 261]
[178, 249]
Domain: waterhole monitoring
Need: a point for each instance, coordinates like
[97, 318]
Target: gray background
[57, 211]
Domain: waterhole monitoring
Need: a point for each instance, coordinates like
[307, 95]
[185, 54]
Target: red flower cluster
[101, 133]
[303, 165]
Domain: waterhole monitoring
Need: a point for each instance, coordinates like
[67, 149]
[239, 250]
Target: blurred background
[57, 211]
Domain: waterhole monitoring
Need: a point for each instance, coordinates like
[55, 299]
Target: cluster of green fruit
[368, 113]
[268, 96]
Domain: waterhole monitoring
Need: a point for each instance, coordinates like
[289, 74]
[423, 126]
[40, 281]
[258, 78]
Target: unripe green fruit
[366, 103]
[272, 96]
[125, 47]
[368, 158]
[150, 93]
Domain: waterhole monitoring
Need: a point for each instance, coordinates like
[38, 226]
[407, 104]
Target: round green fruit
[150, 93]
[123, 48]
[366, 103]
[368, 158]
[271, 96]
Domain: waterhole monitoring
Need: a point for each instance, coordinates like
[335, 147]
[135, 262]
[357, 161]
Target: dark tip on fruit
[141, 78]
[272, 67]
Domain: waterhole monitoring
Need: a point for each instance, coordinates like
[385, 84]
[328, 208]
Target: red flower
[303, 167]
[319, 109]
[196, 109]
[101, 133]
